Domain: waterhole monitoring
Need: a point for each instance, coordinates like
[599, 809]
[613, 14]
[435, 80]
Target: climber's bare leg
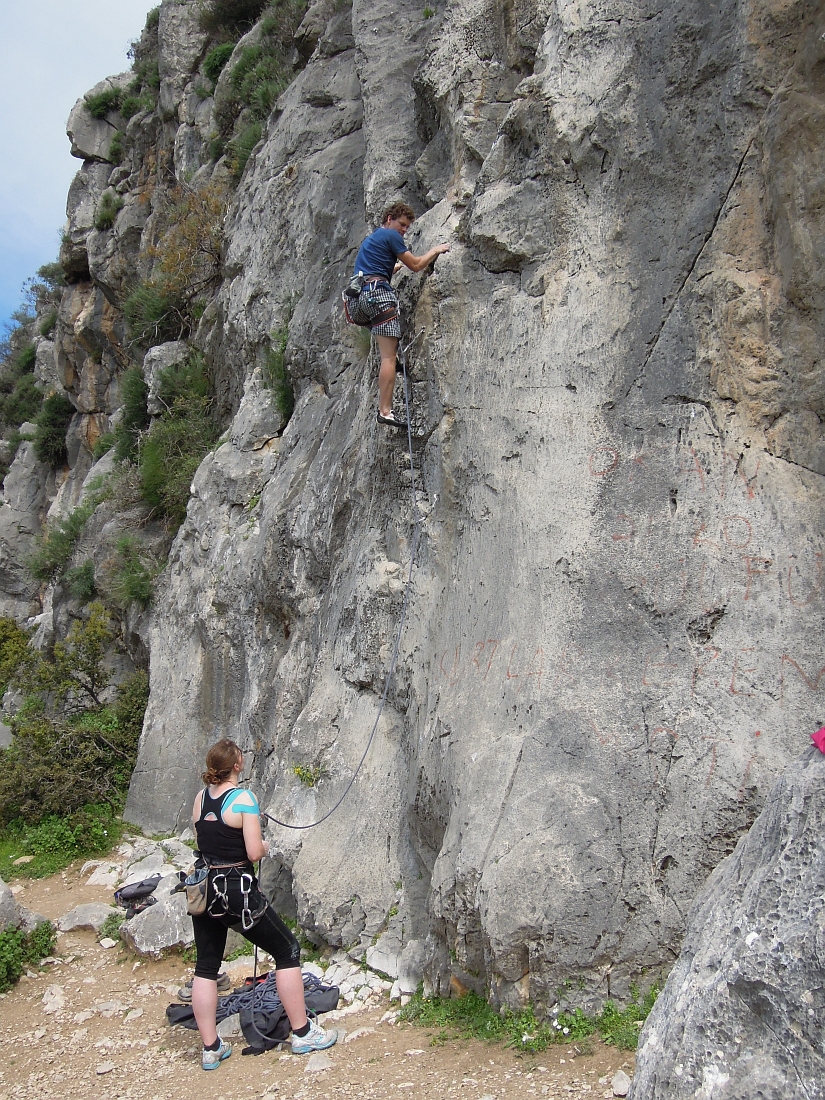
[387, 348]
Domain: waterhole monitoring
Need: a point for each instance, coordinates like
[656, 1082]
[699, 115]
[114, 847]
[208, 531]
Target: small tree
[14, 651]
[189, 252]
[74, 677]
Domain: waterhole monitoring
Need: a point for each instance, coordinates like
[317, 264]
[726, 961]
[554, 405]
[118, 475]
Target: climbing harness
[378, 306]
[416, 517]
[220, 906]
[350, 295]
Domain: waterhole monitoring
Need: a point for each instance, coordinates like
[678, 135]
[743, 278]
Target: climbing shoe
[224, 987]
[392, 421]
[211, 1059]
[315, 1039]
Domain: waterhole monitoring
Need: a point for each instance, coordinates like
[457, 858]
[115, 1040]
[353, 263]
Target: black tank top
[217, 840]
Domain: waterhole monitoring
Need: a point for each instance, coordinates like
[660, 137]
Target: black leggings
[268, 932]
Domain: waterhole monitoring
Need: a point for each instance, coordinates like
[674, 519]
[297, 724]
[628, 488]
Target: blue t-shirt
[378, 253]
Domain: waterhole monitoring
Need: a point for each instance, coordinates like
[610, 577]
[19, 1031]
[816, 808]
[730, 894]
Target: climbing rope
[416, 515]
[390, 673]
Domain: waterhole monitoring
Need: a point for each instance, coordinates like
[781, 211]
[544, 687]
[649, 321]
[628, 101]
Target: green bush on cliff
[25, 359]
[14, 651]
[107, 210]
[48, 323]
[80, 581]
[240, 148]
[144, 54]
[116, 148]
[276, 373]
[52, 426]
[154, 315]
[232, 17]
[187, 379]
[172, 452]
[102, 103]
[56, 544]
[104, 444]
[216, 59]
[132, 104]
[51, 277]
[262, 70]
[23, 403]
[132, 573]
[167, 456]
[187, 256]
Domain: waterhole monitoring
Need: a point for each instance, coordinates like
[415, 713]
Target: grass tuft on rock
[472, 1017]
[135, 415]
[107, 210]
[216, 59]
[276, 372]
[232, 17]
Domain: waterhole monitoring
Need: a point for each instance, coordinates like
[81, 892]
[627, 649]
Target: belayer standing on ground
[377, 302]
[227, 825]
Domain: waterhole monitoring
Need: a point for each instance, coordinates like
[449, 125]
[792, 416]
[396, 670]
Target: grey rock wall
[613, 645]
[24, 496]
[614, 641]
[739, 1016]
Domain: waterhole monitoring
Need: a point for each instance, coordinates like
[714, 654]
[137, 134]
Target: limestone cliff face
[614, 642]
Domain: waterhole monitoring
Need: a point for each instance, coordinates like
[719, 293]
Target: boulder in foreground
[741, 1013]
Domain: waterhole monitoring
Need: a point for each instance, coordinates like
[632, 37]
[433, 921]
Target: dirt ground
[110, 1039]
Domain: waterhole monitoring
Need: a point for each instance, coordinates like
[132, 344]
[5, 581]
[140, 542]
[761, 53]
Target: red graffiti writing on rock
[721, 475]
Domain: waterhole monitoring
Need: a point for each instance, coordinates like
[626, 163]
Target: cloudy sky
[51, 52]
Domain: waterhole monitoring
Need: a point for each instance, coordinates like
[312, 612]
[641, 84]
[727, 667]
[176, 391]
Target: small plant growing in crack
[310, 774]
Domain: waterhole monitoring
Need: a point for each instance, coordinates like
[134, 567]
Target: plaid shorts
[377, 308]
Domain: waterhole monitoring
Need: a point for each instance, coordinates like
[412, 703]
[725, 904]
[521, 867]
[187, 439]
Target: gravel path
[92, 1024]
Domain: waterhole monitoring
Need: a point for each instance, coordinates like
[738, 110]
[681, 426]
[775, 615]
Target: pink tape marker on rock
[818, 739]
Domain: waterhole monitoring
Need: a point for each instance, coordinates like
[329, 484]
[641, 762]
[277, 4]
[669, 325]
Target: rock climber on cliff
[376, 304]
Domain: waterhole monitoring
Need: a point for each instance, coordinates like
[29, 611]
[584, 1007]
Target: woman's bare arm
[256, 846]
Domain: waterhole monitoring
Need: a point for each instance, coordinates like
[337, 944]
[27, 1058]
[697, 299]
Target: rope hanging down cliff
[416, 518]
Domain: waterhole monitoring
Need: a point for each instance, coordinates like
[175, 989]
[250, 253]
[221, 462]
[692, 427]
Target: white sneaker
[315, 1039]
[211, 1059]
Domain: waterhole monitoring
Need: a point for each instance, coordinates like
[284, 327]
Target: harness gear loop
[221, 887]
[247, 920]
